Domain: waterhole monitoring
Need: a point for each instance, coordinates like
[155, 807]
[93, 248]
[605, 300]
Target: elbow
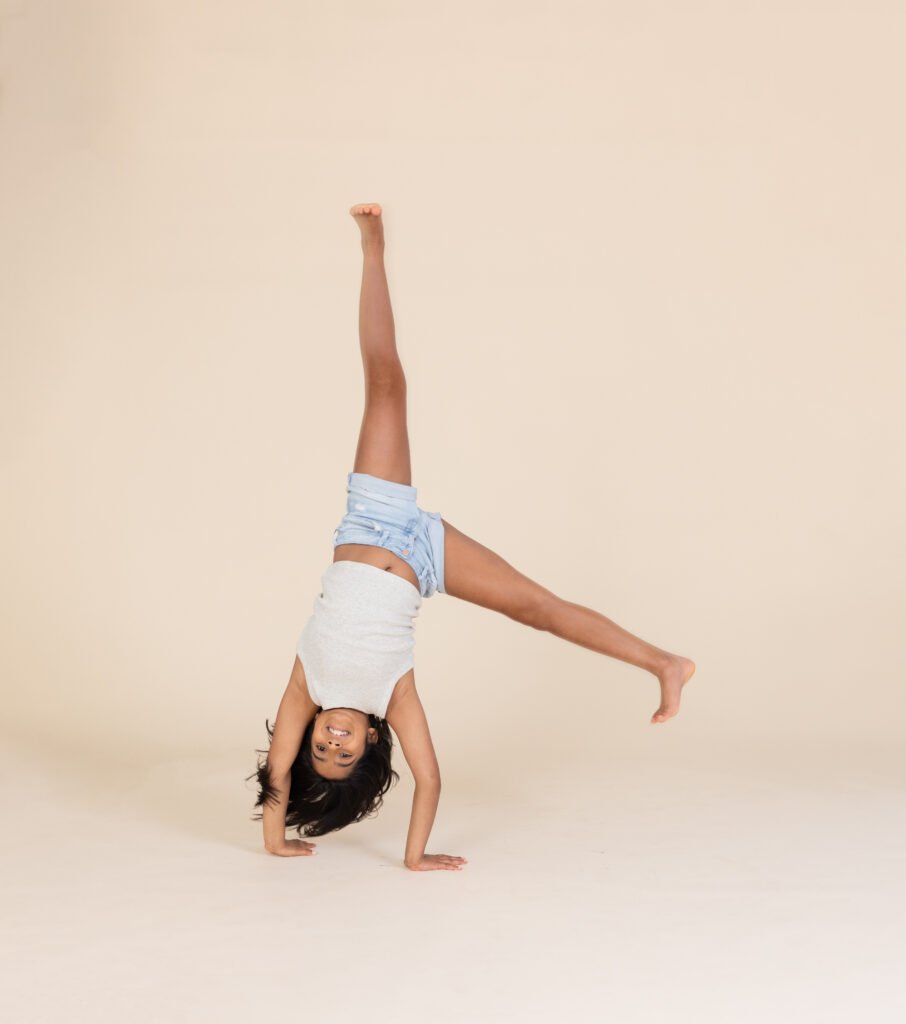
[274, 780]
[277, 772]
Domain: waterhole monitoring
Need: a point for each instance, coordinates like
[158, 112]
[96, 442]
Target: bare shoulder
[405, 685]
[407, 718]
[294, 714]
[299, 685]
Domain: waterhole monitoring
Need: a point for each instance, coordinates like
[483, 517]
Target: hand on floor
[438, 862]
[294, 848]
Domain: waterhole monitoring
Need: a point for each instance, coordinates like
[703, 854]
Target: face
[338, 741]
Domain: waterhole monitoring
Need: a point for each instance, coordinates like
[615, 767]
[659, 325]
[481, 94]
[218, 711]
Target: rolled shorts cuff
[392, 488]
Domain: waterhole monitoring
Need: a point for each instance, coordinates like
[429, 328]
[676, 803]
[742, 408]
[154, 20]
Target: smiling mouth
[337, 732]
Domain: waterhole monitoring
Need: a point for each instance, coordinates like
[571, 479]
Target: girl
[353, 678]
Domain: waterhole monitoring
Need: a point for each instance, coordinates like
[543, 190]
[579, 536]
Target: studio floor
[739, 885]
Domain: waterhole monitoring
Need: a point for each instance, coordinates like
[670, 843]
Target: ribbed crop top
[360, 637]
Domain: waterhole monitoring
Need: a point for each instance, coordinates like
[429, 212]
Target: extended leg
[477, 574]
[383, 447]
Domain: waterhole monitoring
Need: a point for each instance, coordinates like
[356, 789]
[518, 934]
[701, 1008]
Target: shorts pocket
[404, 538]
[359, 521]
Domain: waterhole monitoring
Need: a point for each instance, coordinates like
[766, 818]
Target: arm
[406, 717]
[273, 814]
[295, 712]
[424, 808]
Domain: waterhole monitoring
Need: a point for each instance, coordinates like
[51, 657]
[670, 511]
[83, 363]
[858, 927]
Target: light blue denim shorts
[385, 513]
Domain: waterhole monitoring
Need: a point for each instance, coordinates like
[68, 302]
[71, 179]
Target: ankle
[661, 661]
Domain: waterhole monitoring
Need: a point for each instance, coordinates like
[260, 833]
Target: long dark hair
[317, 805]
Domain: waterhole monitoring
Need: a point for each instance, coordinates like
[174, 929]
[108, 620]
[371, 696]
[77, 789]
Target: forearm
[424, 808]
[273, 815]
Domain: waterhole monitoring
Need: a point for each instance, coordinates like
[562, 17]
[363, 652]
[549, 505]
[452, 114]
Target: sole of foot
[368, 217]
[672, 681]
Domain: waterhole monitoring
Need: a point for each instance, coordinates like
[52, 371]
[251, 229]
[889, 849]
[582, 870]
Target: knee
[385, 380]
[539, 611]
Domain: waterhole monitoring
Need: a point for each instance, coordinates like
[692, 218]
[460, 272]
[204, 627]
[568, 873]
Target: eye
[320, 747]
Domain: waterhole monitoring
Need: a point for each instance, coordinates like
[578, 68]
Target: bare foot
[672, 680]
[368, 217]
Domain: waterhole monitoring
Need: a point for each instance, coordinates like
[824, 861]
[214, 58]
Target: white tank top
[360, 638]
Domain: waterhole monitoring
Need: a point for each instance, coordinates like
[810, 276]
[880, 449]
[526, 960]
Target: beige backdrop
[646, 264]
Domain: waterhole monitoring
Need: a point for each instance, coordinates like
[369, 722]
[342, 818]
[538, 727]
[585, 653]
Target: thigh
[383, 448]
[477, 574]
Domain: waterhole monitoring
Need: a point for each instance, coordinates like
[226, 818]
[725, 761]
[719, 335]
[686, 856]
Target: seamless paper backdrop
[646, 262]
[646, 266]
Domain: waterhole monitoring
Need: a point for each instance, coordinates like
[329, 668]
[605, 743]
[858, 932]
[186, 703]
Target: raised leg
[383, 446]
[477, 574]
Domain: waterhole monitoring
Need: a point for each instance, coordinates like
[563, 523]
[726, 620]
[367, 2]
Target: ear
[372, 735]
